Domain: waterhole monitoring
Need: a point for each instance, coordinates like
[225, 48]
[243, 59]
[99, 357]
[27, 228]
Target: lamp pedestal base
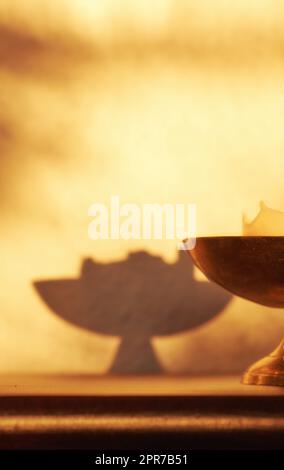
[267, 371]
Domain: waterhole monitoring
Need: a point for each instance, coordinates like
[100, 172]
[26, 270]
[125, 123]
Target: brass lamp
[252, 267]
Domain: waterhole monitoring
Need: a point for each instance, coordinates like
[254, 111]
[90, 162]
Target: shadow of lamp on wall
[135, 299]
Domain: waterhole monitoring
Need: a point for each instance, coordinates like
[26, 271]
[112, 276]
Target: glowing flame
[268, 222]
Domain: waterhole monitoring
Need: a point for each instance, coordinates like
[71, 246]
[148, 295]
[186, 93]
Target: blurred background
[158, 102]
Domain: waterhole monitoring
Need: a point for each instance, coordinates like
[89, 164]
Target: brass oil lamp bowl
[251, 267]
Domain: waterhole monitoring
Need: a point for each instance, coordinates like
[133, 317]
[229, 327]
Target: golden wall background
[154, 101]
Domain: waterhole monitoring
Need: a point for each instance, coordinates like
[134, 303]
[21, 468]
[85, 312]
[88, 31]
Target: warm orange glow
[267, 222]
[155, 101]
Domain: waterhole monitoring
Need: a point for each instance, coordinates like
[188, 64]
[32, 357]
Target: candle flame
[268, 222]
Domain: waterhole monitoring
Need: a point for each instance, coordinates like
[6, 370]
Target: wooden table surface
[97, 412]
